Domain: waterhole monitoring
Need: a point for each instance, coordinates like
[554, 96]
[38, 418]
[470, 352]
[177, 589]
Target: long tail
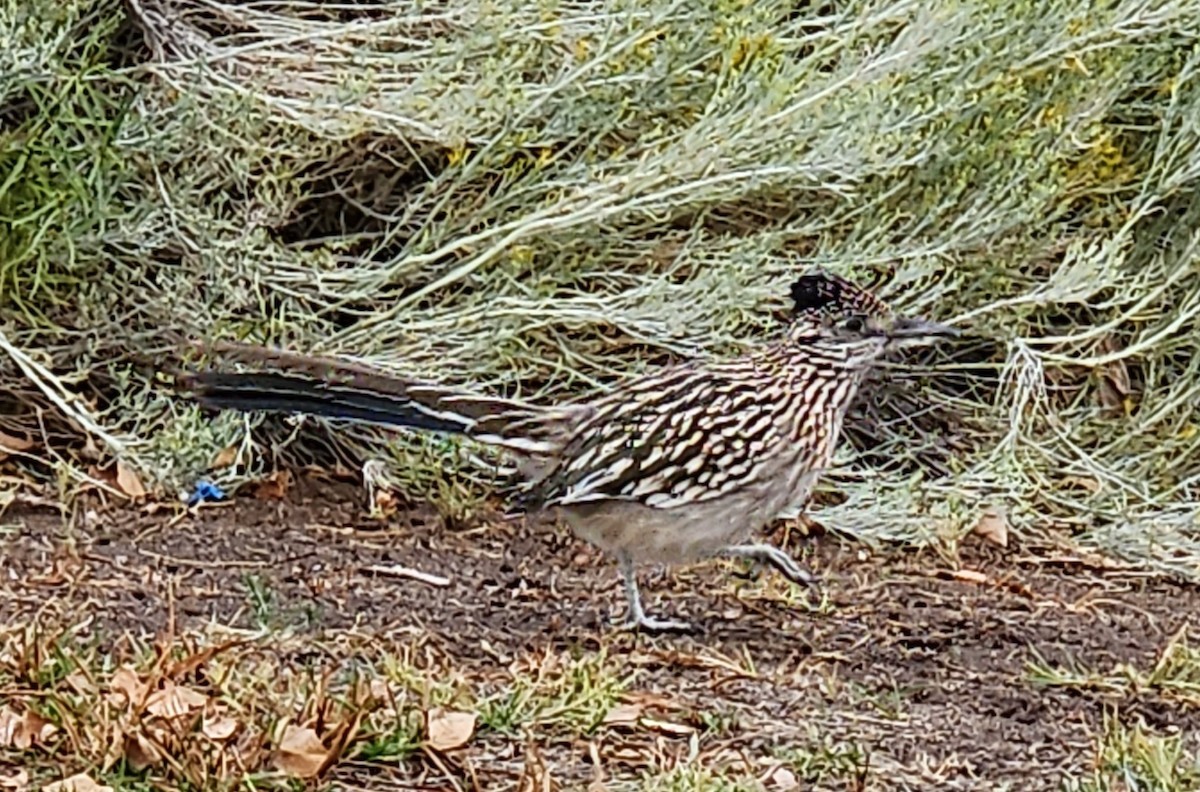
[338, 389]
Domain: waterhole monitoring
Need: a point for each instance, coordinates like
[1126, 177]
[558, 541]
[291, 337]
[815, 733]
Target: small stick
[408, 572]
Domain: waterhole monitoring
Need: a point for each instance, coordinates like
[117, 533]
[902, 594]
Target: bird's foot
[636, 618]
[648, 624]
[783, 563]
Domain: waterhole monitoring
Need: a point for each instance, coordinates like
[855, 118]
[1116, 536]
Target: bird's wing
[685, 435]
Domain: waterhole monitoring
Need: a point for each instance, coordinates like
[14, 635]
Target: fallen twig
[395, 570]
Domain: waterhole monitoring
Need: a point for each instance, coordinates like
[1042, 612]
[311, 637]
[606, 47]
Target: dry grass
[225, 708]
[150, 652]
[222, 709]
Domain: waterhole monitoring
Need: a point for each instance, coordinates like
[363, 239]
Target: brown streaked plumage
[674, 466]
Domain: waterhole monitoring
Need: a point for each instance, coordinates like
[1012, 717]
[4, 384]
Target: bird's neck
[818, 357]
[834, 371]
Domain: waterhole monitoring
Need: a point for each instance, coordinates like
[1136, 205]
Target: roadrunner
[674, 466]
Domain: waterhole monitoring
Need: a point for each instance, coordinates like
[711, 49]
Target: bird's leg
[766, 554]
[636, 618]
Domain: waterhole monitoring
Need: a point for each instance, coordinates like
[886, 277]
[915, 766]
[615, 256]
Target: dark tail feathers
[298, 394]
[345, 389]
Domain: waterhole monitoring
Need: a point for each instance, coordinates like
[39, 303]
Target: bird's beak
[905, 328]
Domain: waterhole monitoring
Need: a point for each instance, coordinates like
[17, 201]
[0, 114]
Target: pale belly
[692, 532]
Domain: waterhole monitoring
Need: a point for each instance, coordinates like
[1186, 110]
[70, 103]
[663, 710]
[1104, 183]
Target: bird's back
[701, 431]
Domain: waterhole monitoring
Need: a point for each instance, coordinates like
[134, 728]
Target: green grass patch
[1132, 756]
[1175, 675]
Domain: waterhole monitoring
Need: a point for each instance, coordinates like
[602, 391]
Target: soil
[918, 664]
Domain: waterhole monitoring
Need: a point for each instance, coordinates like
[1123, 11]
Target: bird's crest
[823, 295]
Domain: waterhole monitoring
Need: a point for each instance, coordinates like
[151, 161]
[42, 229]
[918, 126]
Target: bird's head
[831, 311]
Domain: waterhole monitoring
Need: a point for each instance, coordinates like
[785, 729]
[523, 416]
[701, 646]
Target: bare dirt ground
[995, 669]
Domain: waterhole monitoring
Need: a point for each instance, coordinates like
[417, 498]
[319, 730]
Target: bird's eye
[855, 324]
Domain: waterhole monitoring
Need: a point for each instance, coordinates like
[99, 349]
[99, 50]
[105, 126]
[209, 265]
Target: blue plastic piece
[205, 491]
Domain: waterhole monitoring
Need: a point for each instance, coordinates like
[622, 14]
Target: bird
[677, 465]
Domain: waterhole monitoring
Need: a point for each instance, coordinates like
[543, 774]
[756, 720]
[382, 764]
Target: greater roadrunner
[669, 467]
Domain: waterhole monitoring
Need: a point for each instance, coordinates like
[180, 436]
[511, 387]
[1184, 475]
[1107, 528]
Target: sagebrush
[536, 198]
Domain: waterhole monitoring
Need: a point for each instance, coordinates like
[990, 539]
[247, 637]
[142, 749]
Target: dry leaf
[22, 731]
[810, 527]
[18, 781]
[126, 684]
[11, 724]
[274, 487]
[784, 779]
[99, 474]
[629, 755]
[647, 700]
[1115, 388]
[378, 690]
[667, 727]
[970, 576]
[225, 457]
[80, 683]
[173, 701]
[129, 482]
[219, 729]
[383, 503]
[76, 783]
[341, 735]
[301, 753]
[449, 729]
[993, 526]
[13, 444]
[41, 730]
[141, 752]
[623, 715]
